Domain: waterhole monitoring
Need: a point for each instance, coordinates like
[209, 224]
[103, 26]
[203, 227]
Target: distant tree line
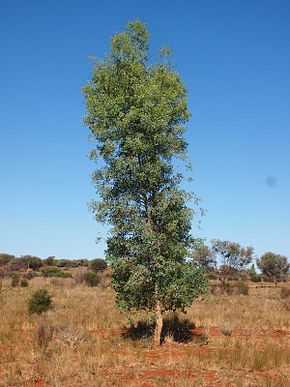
[223, 260]
[229, 260]
[26, 262]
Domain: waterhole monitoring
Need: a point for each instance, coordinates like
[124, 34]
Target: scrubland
[222, 340]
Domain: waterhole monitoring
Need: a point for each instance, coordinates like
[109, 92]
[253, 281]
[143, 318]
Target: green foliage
[98, 264]
[274, 267]
[254, 276]
[23, 283]
[91, 278]
[40, 302]
[15, 280]
[51, 271]
[136, 113]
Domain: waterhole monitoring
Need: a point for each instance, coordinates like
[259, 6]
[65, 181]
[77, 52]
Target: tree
[203, 257]
[232, 257]
[136, 114]
[274, 267]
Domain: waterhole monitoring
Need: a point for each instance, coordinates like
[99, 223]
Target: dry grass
[87, 348]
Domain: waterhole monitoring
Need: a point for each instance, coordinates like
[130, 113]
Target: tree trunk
[159, 324]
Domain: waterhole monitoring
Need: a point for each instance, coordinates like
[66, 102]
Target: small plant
[15, 280]
[242, 287]
[226, 330]
[91, 278]
[40, 302]
[79, 275]
[44, 335]
[23, 283]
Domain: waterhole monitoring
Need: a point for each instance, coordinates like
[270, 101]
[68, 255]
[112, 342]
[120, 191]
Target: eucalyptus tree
[232, 257]
[274, 267]
[136, 113]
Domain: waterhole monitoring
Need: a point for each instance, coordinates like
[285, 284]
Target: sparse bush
[44, 335]
[15, 280]
[226, 330]
[54, 272]
[98, 264]
[40, 302]
[79, 275]
[91, 278]
[242, 287]
[23, 283]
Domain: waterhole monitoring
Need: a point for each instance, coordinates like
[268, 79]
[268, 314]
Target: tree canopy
[274, 267]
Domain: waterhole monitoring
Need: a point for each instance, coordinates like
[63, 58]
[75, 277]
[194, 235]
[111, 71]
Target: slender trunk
[159, 324]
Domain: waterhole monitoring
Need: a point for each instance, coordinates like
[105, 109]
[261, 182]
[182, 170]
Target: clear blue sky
[234, 57]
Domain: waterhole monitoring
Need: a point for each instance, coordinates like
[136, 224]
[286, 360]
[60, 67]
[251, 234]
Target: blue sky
[234, 57]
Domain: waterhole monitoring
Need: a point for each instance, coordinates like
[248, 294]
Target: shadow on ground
[174, 328]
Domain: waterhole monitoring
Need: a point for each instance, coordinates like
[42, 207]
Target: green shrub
[40, 302]
[24, 283]
[242, 287]
[91, 278]
[55, 272]
[15, 280]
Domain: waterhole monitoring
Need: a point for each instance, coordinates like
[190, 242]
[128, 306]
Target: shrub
[24, 283]
[51, 271]
[15, 280]
[91, 278]
[255, 277]
[40, 302]
[242, 287]
[98, 264]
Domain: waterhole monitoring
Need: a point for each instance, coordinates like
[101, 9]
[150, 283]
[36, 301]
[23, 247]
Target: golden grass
[88, 350]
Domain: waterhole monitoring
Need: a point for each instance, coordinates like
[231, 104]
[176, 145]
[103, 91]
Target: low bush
[51, 271]
[15, 280]
[40, 302]
[23, 283]
[91, 278]
[98, 264]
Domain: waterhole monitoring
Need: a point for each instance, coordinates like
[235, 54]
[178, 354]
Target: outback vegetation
[60, 325]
